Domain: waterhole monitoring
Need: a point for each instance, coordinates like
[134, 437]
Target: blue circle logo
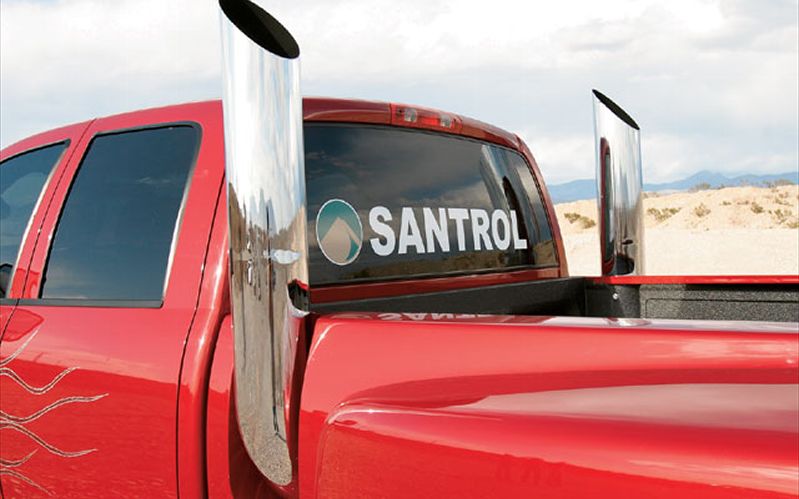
[339, 232]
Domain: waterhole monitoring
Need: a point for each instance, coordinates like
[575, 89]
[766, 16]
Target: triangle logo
[339, 232]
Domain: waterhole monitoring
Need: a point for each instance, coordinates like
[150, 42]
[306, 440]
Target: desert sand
[735, 230]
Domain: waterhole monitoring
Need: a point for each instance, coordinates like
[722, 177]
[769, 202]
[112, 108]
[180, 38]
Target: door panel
[93, 399]
[88, 396]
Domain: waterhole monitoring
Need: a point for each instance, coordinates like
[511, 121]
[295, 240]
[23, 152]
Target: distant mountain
[716, 180]
[586, 188]
[573, 191]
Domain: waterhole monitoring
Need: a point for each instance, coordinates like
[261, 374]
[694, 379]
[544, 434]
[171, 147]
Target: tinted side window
[393, 203]
[544, 251]
[22, 180]
[114, 237]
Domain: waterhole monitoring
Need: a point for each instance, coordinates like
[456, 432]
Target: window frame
[127, 303]
[66, 145]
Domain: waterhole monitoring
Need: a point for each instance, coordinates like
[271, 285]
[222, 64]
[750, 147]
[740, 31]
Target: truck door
[94, 347]
[29, 172]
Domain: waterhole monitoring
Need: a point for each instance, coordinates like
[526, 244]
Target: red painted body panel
[328, 294]
[108, 425]
[213, 305]
[396, 405]
[346, 111]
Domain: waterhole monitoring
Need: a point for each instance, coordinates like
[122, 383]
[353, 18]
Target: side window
[114, 238]
[391, 203]
[22, 180]
[544, 251]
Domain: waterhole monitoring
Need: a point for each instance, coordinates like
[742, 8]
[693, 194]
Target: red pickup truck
[179, 318]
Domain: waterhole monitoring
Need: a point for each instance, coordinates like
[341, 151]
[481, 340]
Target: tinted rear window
[22, 179]
[389, 203]
[114, 237]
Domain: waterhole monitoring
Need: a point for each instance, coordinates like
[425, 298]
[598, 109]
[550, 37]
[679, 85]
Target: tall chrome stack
[267, 221]
[619, 184]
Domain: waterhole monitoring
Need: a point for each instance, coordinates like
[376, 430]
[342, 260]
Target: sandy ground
[737, 230]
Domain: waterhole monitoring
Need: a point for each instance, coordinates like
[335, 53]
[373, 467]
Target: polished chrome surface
[267, 221]
[620, 201]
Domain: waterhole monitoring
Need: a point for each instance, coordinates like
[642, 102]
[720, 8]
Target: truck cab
[114, 258]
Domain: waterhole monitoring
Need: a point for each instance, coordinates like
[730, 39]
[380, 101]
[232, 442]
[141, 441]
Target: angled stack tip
[260, 27]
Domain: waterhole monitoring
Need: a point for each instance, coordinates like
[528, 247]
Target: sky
[713, 84]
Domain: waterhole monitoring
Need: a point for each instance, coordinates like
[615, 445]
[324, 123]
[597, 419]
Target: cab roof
[326, 109]
[320, 109]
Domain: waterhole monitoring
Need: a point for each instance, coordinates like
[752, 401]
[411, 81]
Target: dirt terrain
[735, 230]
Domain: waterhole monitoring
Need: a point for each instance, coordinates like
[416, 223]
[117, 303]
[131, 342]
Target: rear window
[22, 179]
[388, 203]
[115, 234]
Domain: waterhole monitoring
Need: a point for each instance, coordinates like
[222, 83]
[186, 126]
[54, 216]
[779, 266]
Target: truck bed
[644, 298]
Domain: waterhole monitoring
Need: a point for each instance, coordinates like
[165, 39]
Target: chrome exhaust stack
[267, 221]
[620, 188]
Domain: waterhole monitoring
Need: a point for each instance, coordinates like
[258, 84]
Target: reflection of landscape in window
[22, 180]
[370, 166]
[545, 252]
[114, 235]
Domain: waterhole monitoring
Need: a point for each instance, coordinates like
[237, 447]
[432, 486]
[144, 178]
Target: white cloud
[562, 158]
[713, 83]
[66, 61]
[73, 45]
[667, 157]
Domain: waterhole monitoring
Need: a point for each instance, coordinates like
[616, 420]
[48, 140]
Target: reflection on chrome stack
[267, 217]
[619, 183]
